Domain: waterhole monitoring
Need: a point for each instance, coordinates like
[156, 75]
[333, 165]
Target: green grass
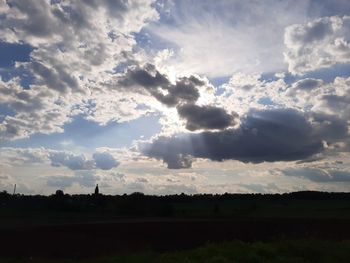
[296, 251]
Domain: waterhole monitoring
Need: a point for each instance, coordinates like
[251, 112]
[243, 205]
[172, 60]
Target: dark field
[292, 251]
[131, 228]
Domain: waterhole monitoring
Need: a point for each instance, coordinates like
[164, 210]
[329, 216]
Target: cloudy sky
[166, 96]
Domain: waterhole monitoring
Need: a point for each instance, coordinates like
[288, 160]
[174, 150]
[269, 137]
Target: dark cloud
[318, 174]
[307, 84]
[339, 104]
[147, 77]
[43, 19]
[329, 127]
[55, 77]
[40, 23]
[205, 117]
[312, 31]
[266, 135]
[159, 86]
[185, 88]
[11, 129]
[315, 31]
[105, 161]
[177, 161]
[141, 180]
[73, 162]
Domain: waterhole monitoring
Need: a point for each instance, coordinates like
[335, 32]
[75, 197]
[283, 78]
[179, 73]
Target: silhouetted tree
[59, 193]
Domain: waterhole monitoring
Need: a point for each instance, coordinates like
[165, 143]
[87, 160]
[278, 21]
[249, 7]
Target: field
[305, 227]
[293, 251]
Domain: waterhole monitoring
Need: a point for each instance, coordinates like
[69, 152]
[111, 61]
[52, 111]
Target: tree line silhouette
[139, 204]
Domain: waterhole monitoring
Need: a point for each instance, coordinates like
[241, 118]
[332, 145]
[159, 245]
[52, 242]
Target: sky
[168, 97]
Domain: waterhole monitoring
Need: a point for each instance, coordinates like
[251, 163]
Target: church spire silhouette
[97, 190]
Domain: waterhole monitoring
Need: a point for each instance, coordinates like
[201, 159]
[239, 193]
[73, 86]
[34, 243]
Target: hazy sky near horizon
[166, 97]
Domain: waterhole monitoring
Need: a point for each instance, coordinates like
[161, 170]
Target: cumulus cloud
[160, 87]
[329, 127]
[51, 21]
[307, 84]
[75, 47]
[182, 94]
[246, 91]
[177, 160]
[34, 110]
[316, 96]
[73, 162]
[325, 105]
[318, 44]
[104, 160]
[120, 177]
[336, 99]
[20, 156]
[266, 135]
[205, 117]
[100, 160]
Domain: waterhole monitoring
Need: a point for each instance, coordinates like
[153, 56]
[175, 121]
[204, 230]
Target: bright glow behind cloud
[230, 36]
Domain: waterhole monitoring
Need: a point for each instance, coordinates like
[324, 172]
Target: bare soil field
[82, 240]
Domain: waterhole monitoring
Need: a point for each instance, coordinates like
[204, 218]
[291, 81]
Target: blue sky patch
[9, 53]
[82, 133]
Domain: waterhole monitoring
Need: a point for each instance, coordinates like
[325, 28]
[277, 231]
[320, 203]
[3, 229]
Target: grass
[293, 251]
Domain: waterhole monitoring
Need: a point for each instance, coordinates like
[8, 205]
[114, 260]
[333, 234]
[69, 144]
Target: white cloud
[328, 98]
[246, 91]
[12, 157]
[35, 110]
[318, 44]
[329, 171]
[76, 45]
[83, 179]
